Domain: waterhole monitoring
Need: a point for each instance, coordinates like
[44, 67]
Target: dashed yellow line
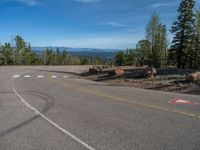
[95, 93]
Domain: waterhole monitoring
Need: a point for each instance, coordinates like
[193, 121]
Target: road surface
[47, 108]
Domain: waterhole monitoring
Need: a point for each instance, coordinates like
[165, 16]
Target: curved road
[48, 108]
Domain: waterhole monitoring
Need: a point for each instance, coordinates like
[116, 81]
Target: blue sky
[82, 23]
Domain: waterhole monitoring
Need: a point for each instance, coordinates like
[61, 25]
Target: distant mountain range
[85, 52]
[75, 49]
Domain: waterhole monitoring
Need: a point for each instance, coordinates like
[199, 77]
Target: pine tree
[84, 61]
[130, 57]
[97, 60]
[51, 57]
[45, 57]
[161, 46]
[183, 29]
[28, 54]
[1, 55]
[156, 35]
[64, 57]
[143, 52]
[32, 58]
[196, 54]
[7, 52]
[120, 58]
[58, 60]
[19, 50]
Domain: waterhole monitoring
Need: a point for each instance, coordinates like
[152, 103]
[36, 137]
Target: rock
[106, 66]
[95, 69]
[193, 77]
[117, 72]
[180, 84]
[149, 72]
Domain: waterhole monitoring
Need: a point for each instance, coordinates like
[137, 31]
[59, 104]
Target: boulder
[117, 72]
[193, 77]
[95, 69]
[149, 72]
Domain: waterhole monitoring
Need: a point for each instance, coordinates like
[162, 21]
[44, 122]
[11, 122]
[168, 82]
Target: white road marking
[40, 76]
[50, 121]
[54, 76]
[65, 76]
[27, 76]
[181, 101]
[16, 76]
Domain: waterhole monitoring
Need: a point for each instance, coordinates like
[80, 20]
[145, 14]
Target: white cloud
[157, 5]
[114, 24]
[27, 2]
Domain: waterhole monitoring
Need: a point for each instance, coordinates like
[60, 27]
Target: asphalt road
[46, 108]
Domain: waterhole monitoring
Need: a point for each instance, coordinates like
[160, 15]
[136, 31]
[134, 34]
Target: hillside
[85, 52]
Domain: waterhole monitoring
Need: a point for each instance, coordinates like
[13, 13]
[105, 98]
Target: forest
[153, 50]
[21, 53]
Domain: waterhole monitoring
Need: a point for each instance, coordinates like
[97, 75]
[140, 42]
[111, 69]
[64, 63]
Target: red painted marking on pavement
[180, 101]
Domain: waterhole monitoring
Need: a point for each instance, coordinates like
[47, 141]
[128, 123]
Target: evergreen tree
[32, 58]
[58, 60]
[161, 46]
[85, 61]
[196, 54]
[20, 47]
[45, 57]
[156, 35]
[97, 60]
[22, 54]
[7, 52]
[51, 57]
[64, 57]
[143, 52]
[130, 57]
[1, 55]
[28, 54]
[120, 58]
[183, 29]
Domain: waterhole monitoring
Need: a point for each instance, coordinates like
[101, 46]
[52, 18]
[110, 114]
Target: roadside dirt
[178, 87]
[170, 83]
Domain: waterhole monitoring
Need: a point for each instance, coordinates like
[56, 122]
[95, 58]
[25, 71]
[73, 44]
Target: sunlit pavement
[50, 108]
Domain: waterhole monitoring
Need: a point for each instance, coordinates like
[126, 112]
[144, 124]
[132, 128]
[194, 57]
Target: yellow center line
[95, 93]
[141, 104]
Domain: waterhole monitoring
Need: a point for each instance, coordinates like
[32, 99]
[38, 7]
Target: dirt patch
[179, 86]
[172, 81]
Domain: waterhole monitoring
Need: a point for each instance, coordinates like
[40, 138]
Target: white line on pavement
[65, 76]
[16, 76]
[27, 76]
[40, 76]
[50, 121]
[54, 76]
